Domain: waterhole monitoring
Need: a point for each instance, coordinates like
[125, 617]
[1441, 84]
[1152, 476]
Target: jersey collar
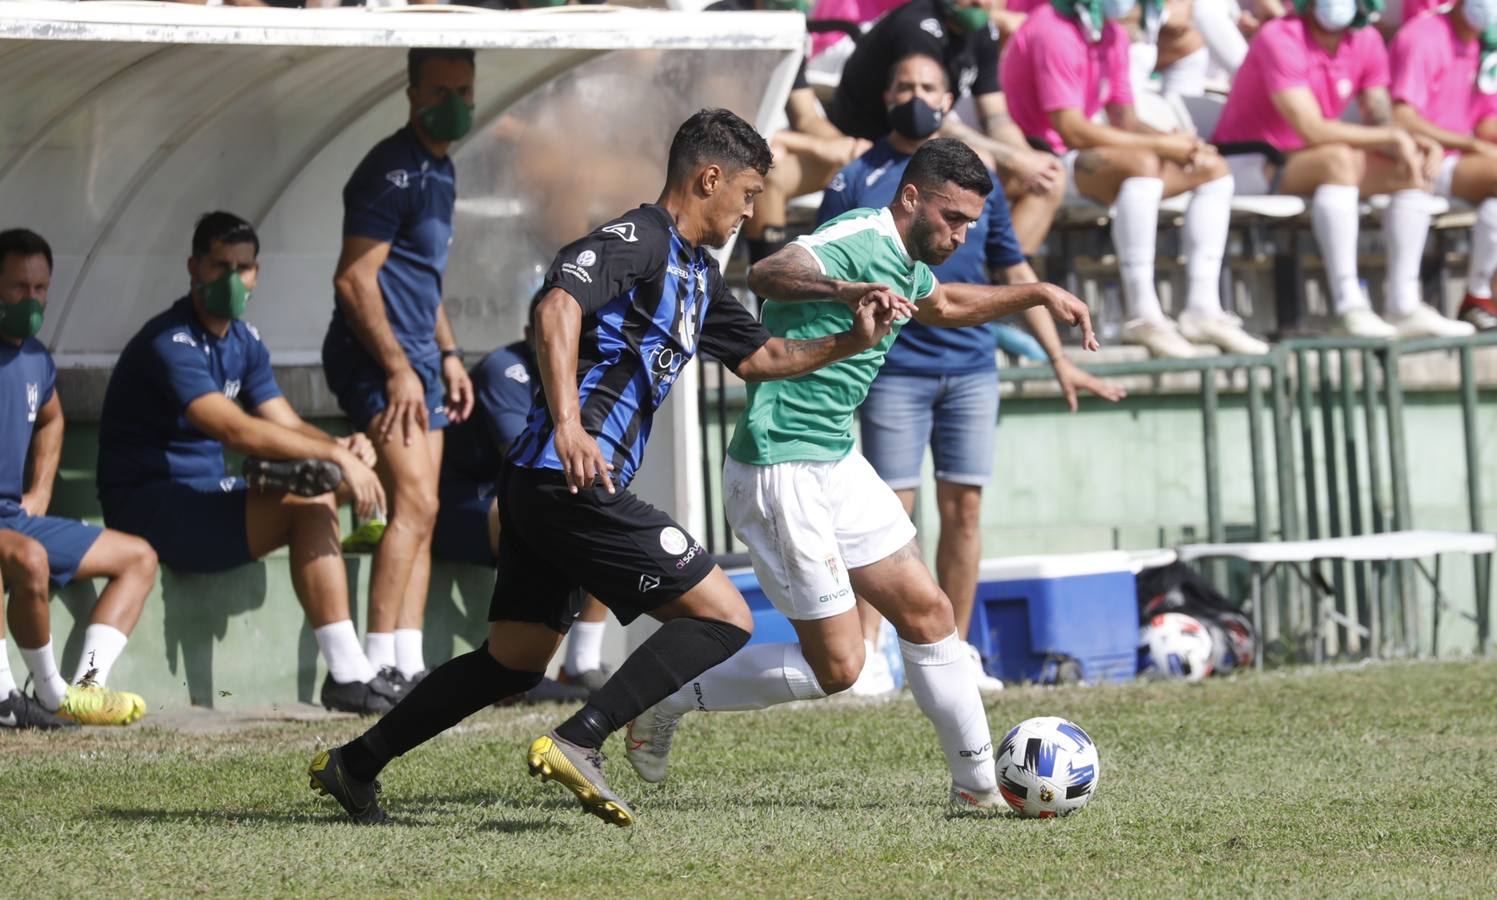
[886, 224]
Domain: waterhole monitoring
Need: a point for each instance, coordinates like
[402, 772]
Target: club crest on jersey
[231, 388]
[518, 373]
[183, 337]
[624, 231]
[399, 177]
[33, 397]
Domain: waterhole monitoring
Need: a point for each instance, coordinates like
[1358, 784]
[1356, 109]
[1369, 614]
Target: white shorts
[1447, 175]
[1073, 193]
[807, 523]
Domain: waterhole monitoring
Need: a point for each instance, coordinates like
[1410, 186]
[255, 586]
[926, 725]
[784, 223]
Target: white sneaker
[1160, 337]
[647, 743]
[986, 683]
[875, 680]
[1363, 322]
[1221, 329]
[1426, 321]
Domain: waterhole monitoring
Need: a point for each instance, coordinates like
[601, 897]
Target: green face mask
[969, 19]
[21, 320]
[447, 121]
[226, 297]
[801, 6]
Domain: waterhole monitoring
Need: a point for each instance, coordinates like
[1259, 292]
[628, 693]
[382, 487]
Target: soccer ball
[1047, 766]
[1177, 646]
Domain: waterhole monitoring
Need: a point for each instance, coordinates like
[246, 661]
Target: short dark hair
[417, 57]
[947, 160]
[716, 136]
[224, 227]
[24, 242]
[918, 54]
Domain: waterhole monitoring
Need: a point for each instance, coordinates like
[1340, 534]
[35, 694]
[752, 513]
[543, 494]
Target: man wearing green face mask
[58, 550]
[390, 355]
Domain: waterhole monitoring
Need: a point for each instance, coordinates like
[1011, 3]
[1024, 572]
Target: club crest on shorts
[833, 566]
[673, 540]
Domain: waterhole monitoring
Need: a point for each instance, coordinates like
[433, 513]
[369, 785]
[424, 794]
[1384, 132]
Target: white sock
[758, 676]
[379, 646]
[1206, 222]
[346, 661]
[585, 647]
[408, 656]
[942, 681]
[50, 688]
[1483, 250]
[102, 645]
[1215, 23]
[7, 680]
[1134, 229]
[1405, 226]
[1333, 218]
[1186, 76]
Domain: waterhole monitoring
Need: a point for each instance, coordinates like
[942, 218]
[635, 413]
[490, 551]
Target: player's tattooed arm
[792, 274]
[784, 358]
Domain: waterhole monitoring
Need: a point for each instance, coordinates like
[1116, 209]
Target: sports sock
[1333, 218]
[941, 679]
[1214, 20]
[346, 661]
[50, 688]
[102, 645]
[1186, 76]
[1206, 222]
[1134, 230]
[379, 646]
[1483, 251]
[1405, 226]
[754, 678]
[585, 647]
[451, 692]
[408, 656]
[7, 680]
[679, 651]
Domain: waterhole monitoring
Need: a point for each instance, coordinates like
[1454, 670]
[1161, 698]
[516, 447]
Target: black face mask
[915, 119]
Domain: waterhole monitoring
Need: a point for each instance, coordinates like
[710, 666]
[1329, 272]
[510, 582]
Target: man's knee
[141, 561]
[415, 507]
[25, 565]
[1139, 164]
[837, 673]
[961, 511]
[1343, 164]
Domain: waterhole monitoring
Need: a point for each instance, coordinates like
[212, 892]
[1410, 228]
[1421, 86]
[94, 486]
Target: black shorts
[620, 549]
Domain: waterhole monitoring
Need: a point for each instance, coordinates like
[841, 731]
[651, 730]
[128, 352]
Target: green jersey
[810, 417]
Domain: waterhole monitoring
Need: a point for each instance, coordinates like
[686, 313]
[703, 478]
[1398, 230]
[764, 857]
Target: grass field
[1376, 780]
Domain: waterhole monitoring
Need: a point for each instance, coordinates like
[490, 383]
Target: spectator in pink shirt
[859, 12]
[1059, 71]
[1301, 73]
[1436, 93]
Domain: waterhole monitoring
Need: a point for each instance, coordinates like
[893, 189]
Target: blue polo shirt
[503, 383]
[402, 195]
[144, 434]
[871, 181]
[27, 379]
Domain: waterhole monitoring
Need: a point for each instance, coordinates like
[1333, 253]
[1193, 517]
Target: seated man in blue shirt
[58, 550]
[468, 517]
[197, 379]
[939, 386]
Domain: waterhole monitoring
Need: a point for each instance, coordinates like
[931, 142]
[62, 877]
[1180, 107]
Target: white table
[1379, 549]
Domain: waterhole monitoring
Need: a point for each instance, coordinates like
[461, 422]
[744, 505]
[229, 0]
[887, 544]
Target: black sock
[681, 650]
[772, 240]
[451, 693]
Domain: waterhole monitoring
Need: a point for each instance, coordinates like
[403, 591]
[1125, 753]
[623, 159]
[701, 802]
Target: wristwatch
[453, 351]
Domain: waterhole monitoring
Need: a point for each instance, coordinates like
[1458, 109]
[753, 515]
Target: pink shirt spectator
[1050, 65]
[859, 11]
[1434, 71]
[1283, 55]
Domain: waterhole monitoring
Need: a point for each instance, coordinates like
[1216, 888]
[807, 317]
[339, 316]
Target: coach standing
[390, 356]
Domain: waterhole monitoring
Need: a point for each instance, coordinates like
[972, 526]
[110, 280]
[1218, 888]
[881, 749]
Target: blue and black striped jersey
[649, 301]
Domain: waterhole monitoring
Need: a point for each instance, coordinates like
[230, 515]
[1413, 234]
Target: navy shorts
[462, 530]
[194, 526]
[359, 383]
[66, 541]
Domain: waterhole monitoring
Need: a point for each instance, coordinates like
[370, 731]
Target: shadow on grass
[423, 812]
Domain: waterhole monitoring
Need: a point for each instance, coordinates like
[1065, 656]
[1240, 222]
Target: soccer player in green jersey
[819, 523]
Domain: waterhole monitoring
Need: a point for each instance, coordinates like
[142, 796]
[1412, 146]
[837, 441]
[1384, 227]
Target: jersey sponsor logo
[33, 397]
[578, 270]
[226, 485]
[665, 362]
[623, 230]
[648, 583]
[932, 28]
[399, 177]
[518, 373]
[677, 271]
[673, 540]
[691, 554]
[183, 337]
[231, 388]
[586, 258]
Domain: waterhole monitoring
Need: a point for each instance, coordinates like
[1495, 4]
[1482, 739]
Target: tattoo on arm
[790, 274]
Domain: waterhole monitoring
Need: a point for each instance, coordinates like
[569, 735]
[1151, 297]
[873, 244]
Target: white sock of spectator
[346, 662]
[941, 678]
[102, 645]
[7, 680]
[585, 647]
[758, 676]
[1334, 219]
[1483, 251]
[379, 646]
[50, 688]
[409, 658]
[1213, 19]
[1134, 229]
[1186, 76]
[1405, 226]
[1206, 222]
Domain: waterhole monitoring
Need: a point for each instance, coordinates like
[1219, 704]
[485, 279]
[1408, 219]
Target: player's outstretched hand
[856, 293]
[1069, 310]
[363, 484]
[873, 321]
[581, 460]
[404, 415]
[1073, 380]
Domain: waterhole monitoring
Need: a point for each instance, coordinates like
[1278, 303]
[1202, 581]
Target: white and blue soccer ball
[1047, 766]
[1176, 645]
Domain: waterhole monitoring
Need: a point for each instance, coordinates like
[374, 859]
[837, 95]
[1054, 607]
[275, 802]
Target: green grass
[1375, 780]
